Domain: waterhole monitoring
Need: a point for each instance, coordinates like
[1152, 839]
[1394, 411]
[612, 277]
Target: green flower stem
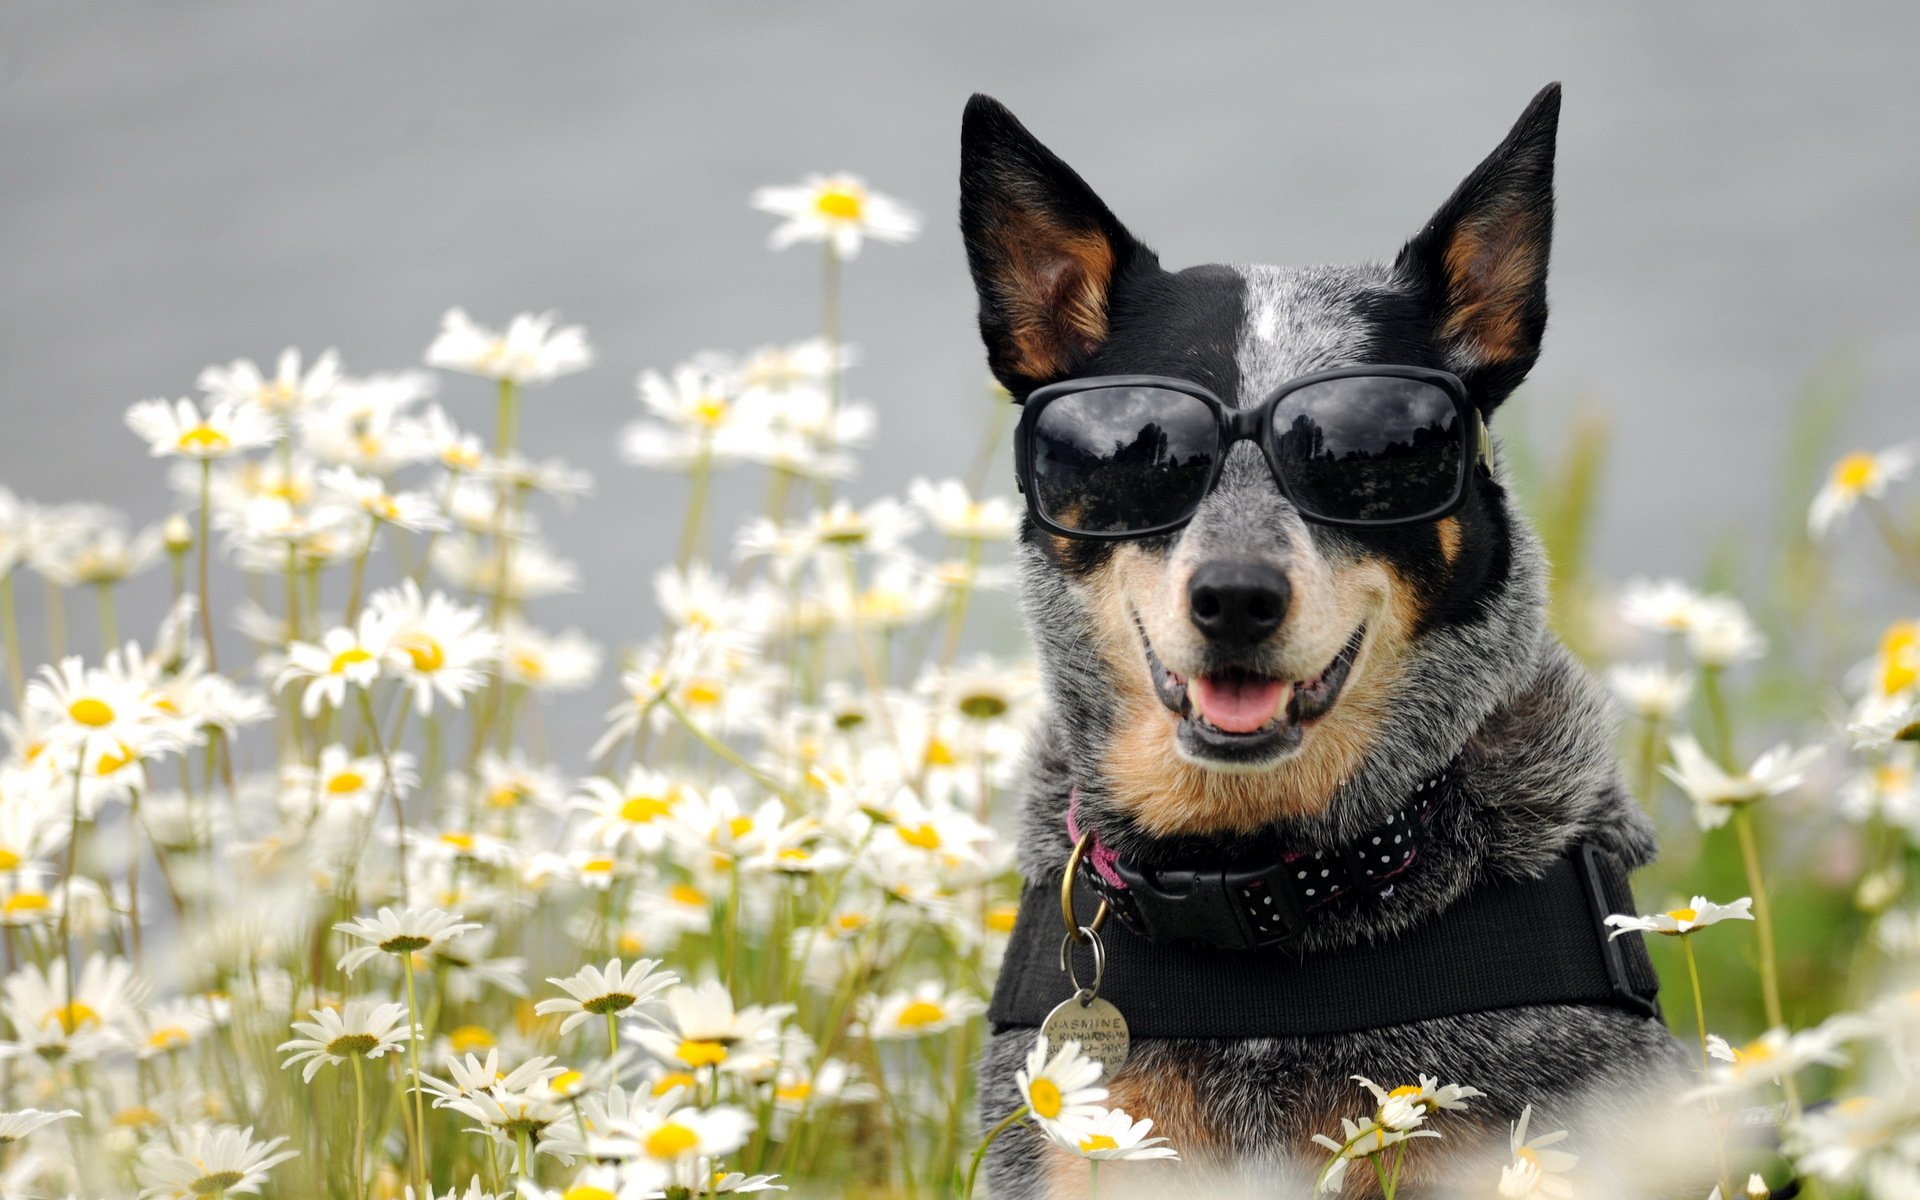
[1650, 762]
[1903, 553]
[359, 1126]
[980, 1151]
[957, 615]
[109, 625]
[700, 479]
[358, 584]
[57, 622]
[66, 887]
[1713, 1108]
[1762, 914]
[720, 748]
[205, 604]
[419, 1087]
[1717, 717]
[10, 624]
[506, 417]
[613, 1036]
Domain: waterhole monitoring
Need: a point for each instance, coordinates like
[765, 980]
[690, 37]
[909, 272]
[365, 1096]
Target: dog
[1256, 676]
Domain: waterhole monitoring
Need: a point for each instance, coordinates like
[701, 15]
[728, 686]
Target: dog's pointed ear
[1481, 262]
[1044, 251]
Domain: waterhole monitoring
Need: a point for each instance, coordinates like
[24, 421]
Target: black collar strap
[1504, 945]
[1250, 906]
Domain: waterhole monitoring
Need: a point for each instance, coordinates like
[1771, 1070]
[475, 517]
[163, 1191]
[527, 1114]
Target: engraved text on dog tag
[1096, 1024]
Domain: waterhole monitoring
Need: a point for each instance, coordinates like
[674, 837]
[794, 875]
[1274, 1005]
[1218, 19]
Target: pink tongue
[1238, 705]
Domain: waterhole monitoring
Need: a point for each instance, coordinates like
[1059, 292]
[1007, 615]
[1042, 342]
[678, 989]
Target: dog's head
[1254, 666]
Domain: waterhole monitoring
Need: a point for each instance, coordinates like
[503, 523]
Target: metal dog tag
[1096, 1024]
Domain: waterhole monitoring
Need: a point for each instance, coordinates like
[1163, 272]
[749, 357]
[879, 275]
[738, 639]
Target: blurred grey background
[186, 183]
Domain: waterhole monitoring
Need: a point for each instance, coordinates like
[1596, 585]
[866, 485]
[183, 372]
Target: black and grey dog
[1286, 609]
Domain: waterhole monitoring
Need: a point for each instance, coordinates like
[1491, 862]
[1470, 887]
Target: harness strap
[1506, 945]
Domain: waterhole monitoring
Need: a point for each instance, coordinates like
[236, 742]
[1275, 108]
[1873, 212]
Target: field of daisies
[325, 919]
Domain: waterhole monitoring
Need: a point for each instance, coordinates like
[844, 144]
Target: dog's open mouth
[1238, 716]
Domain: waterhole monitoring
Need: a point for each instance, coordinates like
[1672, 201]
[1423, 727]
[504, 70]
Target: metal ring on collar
[1099, 962]
[1076, 932]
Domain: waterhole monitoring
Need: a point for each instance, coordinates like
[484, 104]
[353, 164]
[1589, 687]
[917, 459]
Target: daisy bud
[177, 534]
[1756, 1188]
[1879, 890]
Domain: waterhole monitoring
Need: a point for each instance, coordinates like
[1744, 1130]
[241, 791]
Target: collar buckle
[1220, 908]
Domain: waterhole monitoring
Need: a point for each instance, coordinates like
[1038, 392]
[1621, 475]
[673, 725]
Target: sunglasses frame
[1253, 425]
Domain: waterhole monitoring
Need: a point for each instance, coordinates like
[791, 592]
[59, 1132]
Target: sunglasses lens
[1122, 459]
[1370, 448]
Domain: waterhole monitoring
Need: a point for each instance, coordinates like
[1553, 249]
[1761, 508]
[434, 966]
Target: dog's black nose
[1238, 603]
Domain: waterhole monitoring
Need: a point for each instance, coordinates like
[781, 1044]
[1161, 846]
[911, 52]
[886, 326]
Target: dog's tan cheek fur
[1167, 795]
[1447, 529]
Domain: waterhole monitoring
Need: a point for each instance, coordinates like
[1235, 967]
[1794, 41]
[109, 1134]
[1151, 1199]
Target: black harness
[1214, 952]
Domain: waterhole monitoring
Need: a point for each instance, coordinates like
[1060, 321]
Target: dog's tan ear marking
[1045, 252]
[1481, 262]
[1052, 284]
[1448, 531]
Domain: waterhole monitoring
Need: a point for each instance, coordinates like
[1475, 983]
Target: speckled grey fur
[1536, 772]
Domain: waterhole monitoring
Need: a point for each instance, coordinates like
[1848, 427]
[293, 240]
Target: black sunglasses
[1128, 456]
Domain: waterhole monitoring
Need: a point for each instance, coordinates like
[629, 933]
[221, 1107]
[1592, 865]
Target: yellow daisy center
[1900, 657]
[168, 1038]
[9, 860]
[113, 760]
[73, 1016]
[471, 1039]
[938, 754]
[687, 894]
[459, 841]
[710, 409]
[566, 1083]
[204, 439]
[672, 1080]
[923, 836]
[529, 665]
[795, 1092]
[91, 711]
[671, 1140]
[351, 656]
[583, 1191]
[426, 653]
[1097, 1141]
[597, 866]
[641, 810]
[1000, 917]
[1684, 914]
[705, 692]
[1044, 1095]
[840, 204]
[25, 902]
[1893, 777]
[918, 1014]
[697, 1053]
[1409, 1089]
[346, 782]
[739, 827]
[1853, 473]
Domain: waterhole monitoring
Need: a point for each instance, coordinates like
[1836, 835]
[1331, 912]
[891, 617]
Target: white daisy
[1535, 1172]
[1775, 1055]
[404, 932]
[18, 1124]
[705, 1030]
[1662, 606]
[365, 1028]
[1650, 691]
[957, 515]
[1716, 793]
[1358, 1139]
[435, 646]
[288, 392]
[594, 992]
[207, 1160]
[635, 813]
[413, 511]
[344, 656]
[1696, 914]
[1722, 635]
[1858, 476]
[530, 351]
[1060, 1088]
[835, 208]
[926, 1009]
[1110, 1133]
[178, 429]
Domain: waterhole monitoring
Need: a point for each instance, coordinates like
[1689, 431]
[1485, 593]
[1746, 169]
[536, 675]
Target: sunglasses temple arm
[1482, 440]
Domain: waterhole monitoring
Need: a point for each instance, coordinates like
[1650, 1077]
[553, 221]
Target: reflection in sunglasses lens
[1369, 448]
[1122, 459]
